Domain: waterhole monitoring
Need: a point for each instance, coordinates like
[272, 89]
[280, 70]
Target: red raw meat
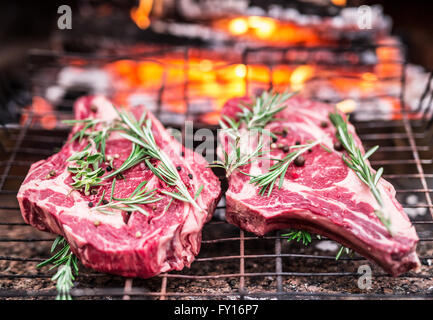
[323, 196]
[132, 245]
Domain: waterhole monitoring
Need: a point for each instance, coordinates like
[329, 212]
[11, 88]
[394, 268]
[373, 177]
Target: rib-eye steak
[150, 238]
[319, 193]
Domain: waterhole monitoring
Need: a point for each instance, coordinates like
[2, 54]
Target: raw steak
[132, 245]
[324, 196]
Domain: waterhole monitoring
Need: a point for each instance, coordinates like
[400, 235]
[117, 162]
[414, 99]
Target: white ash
[369, 57]
[255, 11]
[378, 109]
[327, 245]
[346, 19]
[412, 199]
[210, 9]
[55, 93]
[189, 30]
[171, 117]
[202, 105]
[416, 82]
[95, 80]
[414, 212]
[137, 99]
[220, 214]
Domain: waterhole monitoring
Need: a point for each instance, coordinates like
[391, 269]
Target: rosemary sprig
[345, 250]
[264, 109]
[136, 156]
[305, 238]
[86, 173]
[237, 157]
[132, 203]
[97, 138]
[145, 148]
[358, 163]
[299, 236]
[67, 264]
[253, 118]
[267, 180]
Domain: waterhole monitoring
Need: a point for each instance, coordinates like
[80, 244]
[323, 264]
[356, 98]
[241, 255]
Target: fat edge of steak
[395, 259]
[130, 262]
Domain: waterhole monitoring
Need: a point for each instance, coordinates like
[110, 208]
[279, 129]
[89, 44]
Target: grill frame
[415, 132]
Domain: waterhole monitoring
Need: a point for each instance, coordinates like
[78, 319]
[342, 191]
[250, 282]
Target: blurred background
[224, 40]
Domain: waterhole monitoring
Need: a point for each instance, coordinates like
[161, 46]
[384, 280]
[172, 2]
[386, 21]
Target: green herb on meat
[253, 118]
[267, 180]
[358, 163]
[145, 149]
[299, 235]
[67, 268]
[139, 196]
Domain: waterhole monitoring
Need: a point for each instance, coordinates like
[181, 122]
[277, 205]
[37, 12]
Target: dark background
[28, 24]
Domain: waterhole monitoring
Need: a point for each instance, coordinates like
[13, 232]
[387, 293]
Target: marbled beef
[323, 196]
[132, 245]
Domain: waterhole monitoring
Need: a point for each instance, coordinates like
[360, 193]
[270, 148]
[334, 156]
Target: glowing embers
[140, 14]
[268, 30]
[262, 27]
[40, 112]
[347, 106]
[205, 84]
[300, 75]
[340, 3]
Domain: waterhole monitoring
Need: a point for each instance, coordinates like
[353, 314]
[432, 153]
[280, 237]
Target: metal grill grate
[232, 264]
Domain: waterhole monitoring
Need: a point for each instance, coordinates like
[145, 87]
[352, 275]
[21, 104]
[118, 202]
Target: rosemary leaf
[67, 268]
[267, 180]
[358, 163]
[199, 190]
[145, 148]
[253, 118]
[299, 236]
[140, 196]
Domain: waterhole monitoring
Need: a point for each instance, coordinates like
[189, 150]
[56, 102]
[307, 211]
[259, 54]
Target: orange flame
[346, 106]
[140, 15]
[340, 3]
[267, 29]
[300, 75]
[238, 26]
[43, 113]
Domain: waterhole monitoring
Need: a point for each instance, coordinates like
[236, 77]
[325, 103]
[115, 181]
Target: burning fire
[268, 30]
[140, 14]
[238, 26]
[208, 80]
[211, 81]
[42, 112]
[300, 75]
[346, 106]
[340, 3]
[205, 81]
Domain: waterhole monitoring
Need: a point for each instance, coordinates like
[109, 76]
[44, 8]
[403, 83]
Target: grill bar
[407, 134]
[419, 163]
[137, 293]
